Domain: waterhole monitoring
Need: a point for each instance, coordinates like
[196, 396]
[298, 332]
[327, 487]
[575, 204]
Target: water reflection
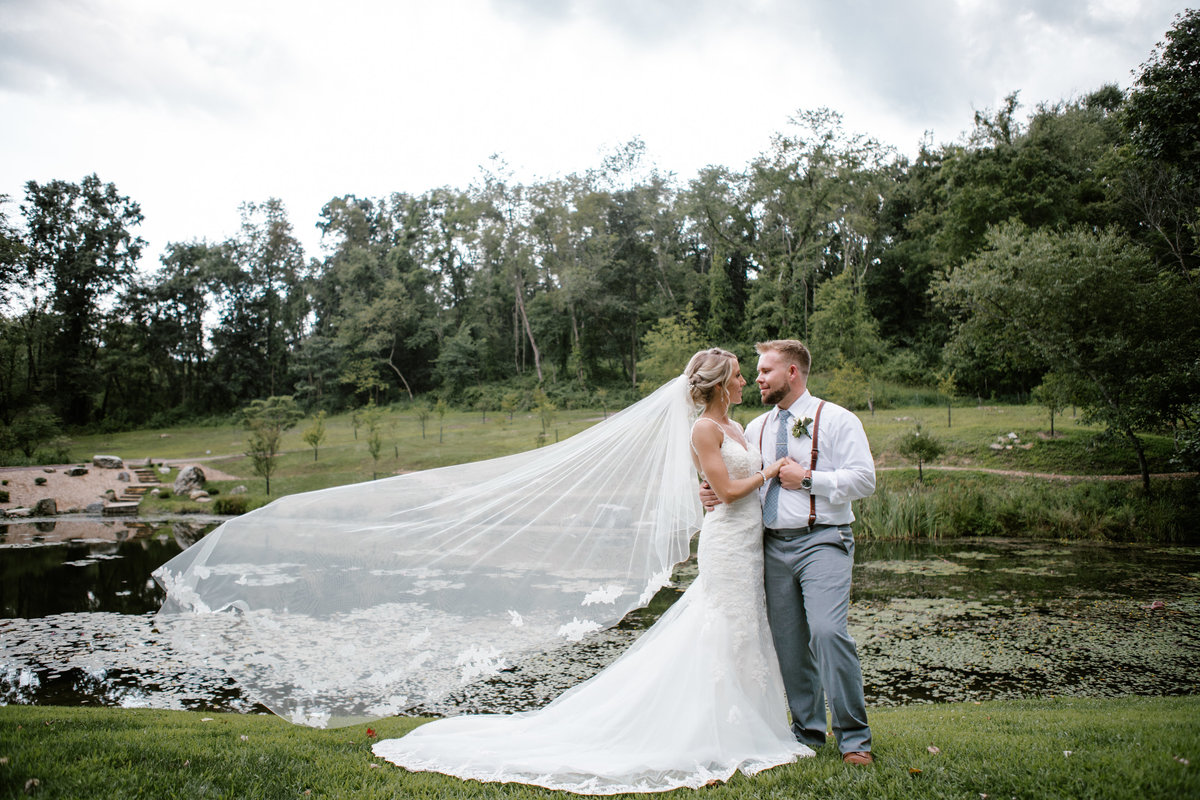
[63, 566]
[940, 621]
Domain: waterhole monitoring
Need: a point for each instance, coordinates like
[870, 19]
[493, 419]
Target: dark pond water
[945, 621]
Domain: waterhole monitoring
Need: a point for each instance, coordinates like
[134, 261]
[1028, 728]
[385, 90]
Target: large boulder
[46, 507]
[75, 472]
[188, 480]
[108, 462]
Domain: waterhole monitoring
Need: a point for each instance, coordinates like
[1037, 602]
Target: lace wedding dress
[696, 698]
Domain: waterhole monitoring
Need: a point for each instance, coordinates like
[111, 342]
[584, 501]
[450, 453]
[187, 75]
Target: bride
[696, 698]
[357, 602]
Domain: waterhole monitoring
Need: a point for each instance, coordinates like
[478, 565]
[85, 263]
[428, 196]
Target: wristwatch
[806, 484]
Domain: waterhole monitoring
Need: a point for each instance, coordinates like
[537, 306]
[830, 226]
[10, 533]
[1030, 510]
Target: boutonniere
[800, 427]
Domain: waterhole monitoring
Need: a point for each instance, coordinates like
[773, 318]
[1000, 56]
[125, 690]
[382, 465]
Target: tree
[1053, 393]
[842, 329]
[262, 301]
[1163, 111]
[849, 387]
[948, 388]
[440, 409]
[363, 377]
[12, 250]
[508, 404]
[314, 434]
[424, 412]
[373, 417]
[80, 250]
[545, 408]
[1092, 308]
[667, 347]
[920, 447]
[266, 420]
[32, 428]
[1162, 115]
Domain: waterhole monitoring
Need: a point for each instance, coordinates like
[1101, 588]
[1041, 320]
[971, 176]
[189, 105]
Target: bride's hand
[772, 470]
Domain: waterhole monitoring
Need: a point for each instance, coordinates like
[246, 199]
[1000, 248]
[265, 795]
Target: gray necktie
[771, 502]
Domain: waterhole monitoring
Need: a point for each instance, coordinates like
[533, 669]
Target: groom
[808, 546]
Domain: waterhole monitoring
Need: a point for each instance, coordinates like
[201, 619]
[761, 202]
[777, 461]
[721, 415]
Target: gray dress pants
[807, 576]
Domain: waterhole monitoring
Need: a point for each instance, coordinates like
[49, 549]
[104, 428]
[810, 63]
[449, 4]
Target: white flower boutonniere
[800, 427]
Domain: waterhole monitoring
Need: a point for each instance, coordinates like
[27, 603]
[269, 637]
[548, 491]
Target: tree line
[1054, 252]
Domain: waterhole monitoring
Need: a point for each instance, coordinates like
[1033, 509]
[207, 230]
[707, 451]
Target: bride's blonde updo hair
[708, 372]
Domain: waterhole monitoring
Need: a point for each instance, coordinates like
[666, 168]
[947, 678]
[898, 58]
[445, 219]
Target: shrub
[3, 495]
[232, 506]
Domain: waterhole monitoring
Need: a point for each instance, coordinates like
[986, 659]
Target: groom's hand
[792, 473]
[708, 498]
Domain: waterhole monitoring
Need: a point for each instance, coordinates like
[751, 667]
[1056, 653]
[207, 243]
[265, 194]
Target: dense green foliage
[1060, 246]
[1108, 749]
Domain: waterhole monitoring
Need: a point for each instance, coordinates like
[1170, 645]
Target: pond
[942, 621]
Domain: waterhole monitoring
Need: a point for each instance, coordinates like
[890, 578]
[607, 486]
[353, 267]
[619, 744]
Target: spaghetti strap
[691, 439]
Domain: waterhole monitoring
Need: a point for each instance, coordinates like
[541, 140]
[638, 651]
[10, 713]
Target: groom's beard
[773, 396]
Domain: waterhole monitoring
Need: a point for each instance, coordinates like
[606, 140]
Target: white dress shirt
[845, 469]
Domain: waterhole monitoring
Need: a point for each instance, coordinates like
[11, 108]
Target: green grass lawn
[1135, 748]
[465, 436]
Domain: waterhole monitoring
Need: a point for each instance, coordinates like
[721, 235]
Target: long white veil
[357, 602]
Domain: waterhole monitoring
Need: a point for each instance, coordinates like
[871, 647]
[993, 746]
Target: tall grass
[953, 504]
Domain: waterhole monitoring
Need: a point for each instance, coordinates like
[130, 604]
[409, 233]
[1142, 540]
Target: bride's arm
[706, 439]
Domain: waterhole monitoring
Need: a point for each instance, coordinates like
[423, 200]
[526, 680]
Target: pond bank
[963, 620]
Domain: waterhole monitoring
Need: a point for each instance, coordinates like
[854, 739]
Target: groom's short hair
[791, 349]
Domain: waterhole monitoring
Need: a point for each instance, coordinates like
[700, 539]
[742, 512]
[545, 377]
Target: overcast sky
[193, 108]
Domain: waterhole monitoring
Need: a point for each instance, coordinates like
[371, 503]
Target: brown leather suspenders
[812, 499]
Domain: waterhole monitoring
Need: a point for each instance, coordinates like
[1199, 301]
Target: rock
[204, 499]
[123, 477]
[187, 533]
[197, 494]
[75, 472]
[164, 470]
[239, 489]
[49, 469]
[46, 507]
[996, 446]
[94, 508]
[107, 462]
[189, 478]
[20, 512]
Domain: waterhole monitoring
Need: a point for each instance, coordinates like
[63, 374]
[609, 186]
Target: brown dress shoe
[858, 757]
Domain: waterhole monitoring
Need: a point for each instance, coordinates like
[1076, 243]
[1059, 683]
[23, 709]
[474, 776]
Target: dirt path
[73, 493]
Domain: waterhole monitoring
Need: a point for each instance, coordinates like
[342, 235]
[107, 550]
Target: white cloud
[192, 109]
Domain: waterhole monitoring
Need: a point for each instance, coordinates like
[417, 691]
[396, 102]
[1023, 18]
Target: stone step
[120, 509]
[138, 490]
